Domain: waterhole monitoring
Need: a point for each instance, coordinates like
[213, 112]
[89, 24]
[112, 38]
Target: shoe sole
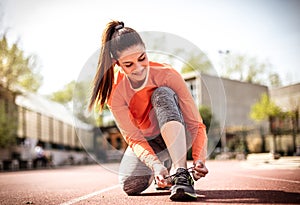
[181, 195]
[163, 189]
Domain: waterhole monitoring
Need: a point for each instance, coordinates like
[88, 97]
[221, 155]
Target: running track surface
[233, 182]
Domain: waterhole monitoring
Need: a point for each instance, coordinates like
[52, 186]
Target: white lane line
[73, 201]
[268, 178]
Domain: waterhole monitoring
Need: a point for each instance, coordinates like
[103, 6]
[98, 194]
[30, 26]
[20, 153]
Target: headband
[120, 26]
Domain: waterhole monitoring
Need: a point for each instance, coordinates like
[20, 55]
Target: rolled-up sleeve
[130, 132]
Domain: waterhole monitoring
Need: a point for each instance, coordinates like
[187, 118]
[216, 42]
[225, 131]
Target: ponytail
[113, 43]
[104, 77]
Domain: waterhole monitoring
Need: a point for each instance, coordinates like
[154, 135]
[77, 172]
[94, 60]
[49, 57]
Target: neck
[137, 84]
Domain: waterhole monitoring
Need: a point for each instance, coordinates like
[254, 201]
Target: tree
[212, 129]
[8, 118]
[196, 62]
[8, 127]
[208, 121]
[78, 92]
[248, 69]
[206, 115]
[81, 98]
[16, 69]
[64, 95]
[275, 80]
[265, 109]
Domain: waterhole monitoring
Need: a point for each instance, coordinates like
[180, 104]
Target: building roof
[41, 104]
[285, 90]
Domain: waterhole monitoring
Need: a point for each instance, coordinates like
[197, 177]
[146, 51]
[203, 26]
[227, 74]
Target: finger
[203, 170]
[202, 174]
[199, 165]
[159, 178]
[161, 182]
[198, 168]
[198, 175]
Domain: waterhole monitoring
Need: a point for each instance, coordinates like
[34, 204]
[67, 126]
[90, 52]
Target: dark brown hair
[115, 39]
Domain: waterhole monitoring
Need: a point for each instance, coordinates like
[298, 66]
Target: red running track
[231, 182]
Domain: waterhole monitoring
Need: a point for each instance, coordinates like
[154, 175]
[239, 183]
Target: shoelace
[190, 169]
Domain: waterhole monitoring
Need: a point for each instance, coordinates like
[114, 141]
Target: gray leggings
[134, 175]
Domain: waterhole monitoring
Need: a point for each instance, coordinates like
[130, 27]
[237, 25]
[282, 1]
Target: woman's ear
[114, 62]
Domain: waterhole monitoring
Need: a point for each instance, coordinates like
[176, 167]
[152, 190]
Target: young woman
[155, 113]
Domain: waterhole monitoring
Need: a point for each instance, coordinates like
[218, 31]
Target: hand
[200, 170]
[160, 172]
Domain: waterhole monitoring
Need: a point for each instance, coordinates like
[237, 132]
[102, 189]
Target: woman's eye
[128, 65]
[141, 59]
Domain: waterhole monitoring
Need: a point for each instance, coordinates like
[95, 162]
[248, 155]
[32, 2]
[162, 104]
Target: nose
[139, 66]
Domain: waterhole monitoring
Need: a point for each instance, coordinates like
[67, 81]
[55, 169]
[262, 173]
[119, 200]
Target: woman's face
[134, 62]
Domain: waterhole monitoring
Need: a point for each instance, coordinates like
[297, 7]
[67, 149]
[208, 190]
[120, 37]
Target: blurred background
[248, 60]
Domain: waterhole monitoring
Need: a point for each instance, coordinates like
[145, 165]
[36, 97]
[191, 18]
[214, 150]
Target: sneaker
[183, 186]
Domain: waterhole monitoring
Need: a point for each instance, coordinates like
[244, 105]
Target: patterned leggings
[134, 175]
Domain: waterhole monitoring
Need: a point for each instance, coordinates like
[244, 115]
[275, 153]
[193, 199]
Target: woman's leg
[169, 116]
[173, 133]
[134, 176]
[165, 103]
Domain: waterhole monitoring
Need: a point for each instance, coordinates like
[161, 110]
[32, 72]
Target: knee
[166, 106]
[162, 94]
[163, 91]
[134, 185]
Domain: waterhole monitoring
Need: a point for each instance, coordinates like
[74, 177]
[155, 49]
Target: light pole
[222, 63]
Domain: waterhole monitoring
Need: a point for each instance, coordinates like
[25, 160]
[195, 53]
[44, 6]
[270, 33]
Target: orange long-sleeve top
[133, 113]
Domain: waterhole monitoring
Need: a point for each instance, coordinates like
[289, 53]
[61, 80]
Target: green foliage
[8, 125]
[264, 109]
[78, 93]
[208, 118]
[206, 115]
[274, 80]
[7, 131]
[198, 62]
[65, 95]
[80, 102]
[16, 69]
[248, 69]
[212, 128]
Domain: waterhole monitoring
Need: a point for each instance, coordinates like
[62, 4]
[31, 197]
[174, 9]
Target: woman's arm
[132, 134]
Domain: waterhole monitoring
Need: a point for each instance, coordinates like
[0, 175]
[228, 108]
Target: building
[48, 124]
[288, 99]
[237, 98]
[229, 100]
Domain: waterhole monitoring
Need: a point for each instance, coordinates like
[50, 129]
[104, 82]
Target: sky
[64, 34]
